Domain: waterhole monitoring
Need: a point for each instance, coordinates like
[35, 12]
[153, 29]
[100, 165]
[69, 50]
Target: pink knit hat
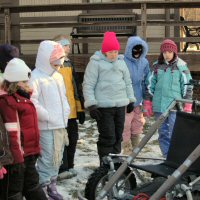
[168, 45]
[57, 53]
[110, 42]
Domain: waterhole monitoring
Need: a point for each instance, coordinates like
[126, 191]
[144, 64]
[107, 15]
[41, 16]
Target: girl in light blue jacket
[107, 90]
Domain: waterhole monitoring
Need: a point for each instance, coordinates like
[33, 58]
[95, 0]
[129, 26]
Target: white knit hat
[17, 70]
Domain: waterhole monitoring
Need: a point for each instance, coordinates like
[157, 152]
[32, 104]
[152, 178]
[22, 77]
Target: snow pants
[110, 128]
[165, 131]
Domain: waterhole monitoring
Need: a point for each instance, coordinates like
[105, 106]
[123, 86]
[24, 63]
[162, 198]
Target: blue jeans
[165, 131]
[45, 166]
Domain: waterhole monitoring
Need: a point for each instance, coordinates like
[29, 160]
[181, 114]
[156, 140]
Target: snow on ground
[86, 159]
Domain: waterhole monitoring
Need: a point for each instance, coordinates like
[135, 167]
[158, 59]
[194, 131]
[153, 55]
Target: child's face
[112, 55]
[67, 49]
[168, 55]
[57, 63]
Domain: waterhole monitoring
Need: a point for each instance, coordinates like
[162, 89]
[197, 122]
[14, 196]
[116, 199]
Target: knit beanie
[7, 52]
[168, 45]
[17, 70]
[110, 42]
[57, 54]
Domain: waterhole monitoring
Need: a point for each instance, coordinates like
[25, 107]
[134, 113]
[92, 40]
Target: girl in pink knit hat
[107, 90]
[167, 82]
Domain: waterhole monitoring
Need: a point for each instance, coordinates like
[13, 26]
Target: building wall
[44, 33]
[49, 33]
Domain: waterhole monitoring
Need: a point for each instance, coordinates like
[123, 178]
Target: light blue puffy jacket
[107, 84]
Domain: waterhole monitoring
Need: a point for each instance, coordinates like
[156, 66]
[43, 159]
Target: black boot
[36, 194]
[17, 196]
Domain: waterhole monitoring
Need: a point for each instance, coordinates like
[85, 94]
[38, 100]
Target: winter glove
[148, 108]
[130, 107]
[95, 113]
[187, 107]
[81, 117]
[2, 172]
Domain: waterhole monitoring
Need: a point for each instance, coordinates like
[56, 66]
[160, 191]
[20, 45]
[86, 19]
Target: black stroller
[177, 177]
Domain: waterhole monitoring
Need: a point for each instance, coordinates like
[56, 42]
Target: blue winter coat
[107, 84]
[138, 68]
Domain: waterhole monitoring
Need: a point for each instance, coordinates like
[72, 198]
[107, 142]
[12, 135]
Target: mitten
[130, 107]
[148, 108]
[95, 113]
[2, 172]
[187, 107]
[81, 117]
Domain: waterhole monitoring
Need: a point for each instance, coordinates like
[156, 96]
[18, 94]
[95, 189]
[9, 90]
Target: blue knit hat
[64, 42]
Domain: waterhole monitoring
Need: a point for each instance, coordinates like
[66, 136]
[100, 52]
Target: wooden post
[15, 19]
[144, 20]
[167, 19]
[7, 29]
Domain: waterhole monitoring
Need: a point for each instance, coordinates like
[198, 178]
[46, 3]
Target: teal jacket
[107, 84]
[167, 82]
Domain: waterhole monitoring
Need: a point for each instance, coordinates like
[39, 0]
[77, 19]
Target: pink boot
[52, 190]
[46, 193]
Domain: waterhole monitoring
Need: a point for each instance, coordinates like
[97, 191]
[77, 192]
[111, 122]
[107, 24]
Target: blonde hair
[60, 37]
[9, 87]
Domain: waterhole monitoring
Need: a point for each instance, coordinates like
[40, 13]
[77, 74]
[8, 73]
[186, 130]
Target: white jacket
[49, 90]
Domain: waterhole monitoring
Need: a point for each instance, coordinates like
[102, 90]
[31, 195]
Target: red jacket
[20, 118]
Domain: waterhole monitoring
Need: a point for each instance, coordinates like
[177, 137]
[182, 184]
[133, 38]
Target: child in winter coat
[107, 91]
[168, 82]
[75, 99]
[135, 53]
[53, 110]
[20, 118]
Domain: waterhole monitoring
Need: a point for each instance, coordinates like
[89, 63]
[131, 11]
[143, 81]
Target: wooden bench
[94, 25]
[190, 32]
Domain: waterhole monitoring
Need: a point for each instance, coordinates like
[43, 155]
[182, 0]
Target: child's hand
[148, 108]
[2, 172]
[81, 117]
[187, 107]
[95, 113]
[130, 107]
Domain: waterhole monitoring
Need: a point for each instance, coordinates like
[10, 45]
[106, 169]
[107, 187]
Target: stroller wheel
[99, 178]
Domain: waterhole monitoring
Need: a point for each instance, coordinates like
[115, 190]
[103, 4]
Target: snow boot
[44, 188]
[17, 196]
[126, 148]
[36, 193]
[52, 190]
[135, 139]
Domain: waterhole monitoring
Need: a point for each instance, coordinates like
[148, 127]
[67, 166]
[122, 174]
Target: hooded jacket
[138, 68]
[49, 93]
[107, 84]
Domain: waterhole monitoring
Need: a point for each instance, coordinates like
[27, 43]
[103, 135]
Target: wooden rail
[144, 20]
[143, 6]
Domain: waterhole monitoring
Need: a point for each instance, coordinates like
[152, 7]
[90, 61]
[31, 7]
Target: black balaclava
[137, 50]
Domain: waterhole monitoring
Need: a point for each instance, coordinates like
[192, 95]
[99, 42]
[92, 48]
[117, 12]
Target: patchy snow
[86, 158]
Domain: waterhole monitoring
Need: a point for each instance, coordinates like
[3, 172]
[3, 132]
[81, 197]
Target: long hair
[9, 87]
[161, 59]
